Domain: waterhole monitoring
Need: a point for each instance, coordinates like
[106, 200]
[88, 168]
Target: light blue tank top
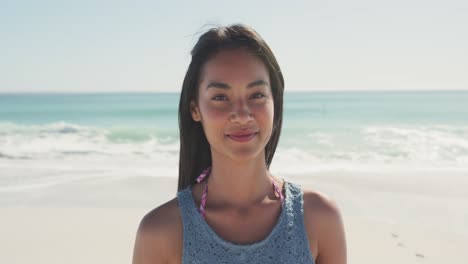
[286, 243]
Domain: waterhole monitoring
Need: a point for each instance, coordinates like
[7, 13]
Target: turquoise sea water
[390, 127]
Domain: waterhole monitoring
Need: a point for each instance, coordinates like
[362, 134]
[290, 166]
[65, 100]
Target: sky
[144, 46]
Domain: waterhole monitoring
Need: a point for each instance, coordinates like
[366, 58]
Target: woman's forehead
[234, 65]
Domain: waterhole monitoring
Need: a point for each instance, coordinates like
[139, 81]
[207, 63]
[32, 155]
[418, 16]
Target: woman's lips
[242, 138]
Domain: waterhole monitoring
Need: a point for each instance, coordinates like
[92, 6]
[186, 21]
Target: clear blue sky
[105, 46]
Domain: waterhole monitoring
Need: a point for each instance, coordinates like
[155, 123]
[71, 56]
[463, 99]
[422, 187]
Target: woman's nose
[241, 112]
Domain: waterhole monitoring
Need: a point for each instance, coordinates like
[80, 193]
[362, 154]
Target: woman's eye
[258, 95]
[219, 98]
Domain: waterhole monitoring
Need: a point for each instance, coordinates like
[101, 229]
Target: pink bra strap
[205, 190]
[206, 172]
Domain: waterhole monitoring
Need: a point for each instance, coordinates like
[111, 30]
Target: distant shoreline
[286, 92]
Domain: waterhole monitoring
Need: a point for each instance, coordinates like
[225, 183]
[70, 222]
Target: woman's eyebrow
[258, 83]
[225, 86]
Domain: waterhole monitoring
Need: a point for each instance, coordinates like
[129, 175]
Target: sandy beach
[105, 235]
[388, 218]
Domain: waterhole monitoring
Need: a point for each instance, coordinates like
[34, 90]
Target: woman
[229, 208]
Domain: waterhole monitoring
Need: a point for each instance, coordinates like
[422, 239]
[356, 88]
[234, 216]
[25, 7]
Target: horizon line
[286, 91]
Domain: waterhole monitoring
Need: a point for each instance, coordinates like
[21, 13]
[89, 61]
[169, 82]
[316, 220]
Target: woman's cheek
[216, 112]
[263, 109]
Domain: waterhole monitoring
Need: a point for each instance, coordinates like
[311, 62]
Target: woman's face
[235, 105]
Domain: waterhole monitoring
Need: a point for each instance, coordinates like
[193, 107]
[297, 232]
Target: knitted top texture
[286, 243]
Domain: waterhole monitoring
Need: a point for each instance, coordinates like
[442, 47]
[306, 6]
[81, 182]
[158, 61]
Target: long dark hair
[195, 153]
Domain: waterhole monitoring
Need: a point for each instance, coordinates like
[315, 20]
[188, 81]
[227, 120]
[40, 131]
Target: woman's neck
[238, 184]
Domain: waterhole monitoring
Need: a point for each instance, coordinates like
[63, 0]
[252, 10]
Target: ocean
[395, 157]
[321, 130]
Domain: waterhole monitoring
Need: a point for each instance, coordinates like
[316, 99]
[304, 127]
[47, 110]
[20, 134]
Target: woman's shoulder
[324, 225]
[159, 235]
[164, 217]
[319, 208]
[319, 202]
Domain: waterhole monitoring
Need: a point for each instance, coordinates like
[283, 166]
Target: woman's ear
[195, 111]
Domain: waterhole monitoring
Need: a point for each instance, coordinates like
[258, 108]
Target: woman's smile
[242, 137]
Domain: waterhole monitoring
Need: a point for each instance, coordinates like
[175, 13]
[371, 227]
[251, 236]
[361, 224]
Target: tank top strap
[185, 201]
